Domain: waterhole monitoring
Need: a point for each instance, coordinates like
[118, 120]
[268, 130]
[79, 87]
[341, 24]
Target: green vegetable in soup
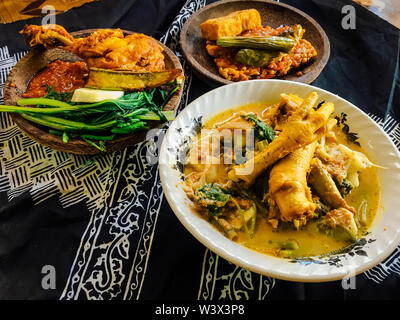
[345, 187]
[212, 197]
[288, 245]
[261, 129]
[226, 227]
[325, 186]
[340, 224]
[362, 213]
[261, 145]
[321, 208]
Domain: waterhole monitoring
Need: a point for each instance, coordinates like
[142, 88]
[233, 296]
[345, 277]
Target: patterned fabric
[123, 195]
[11, 10]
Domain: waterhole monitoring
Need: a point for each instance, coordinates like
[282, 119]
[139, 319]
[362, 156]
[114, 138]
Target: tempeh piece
[288, 185]
[301, 129]
[231, 25]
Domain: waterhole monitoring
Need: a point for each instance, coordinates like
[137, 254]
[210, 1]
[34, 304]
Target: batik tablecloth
[101, 222]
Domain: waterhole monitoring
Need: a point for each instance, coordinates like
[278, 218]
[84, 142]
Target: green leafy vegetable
[321, 208]
[95, 122]
[261, 129]
[345, 187]
[342, 122]
[319, 105]
[212, 197]
[60, 96]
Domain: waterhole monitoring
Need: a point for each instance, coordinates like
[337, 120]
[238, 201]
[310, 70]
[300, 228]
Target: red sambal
[62, 76]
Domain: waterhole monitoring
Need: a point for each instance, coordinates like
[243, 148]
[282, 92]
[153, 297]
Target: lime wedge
[94, 95]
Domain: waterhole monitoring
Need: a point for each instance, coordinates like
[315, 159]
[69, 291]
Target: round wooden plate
[273, 14]
[37, 59]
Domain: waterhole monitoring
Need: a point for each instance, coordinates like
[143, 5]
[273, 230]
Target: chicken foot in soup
[303, 127]
[288, 186]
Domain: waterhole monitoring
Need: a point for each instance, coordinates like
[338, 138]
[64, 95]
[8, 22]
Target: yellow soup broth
[311, 242]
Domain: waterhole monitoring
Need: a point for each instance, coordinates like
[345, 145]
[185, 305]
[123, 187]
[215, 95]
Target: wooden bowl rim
[216, 78]
[77, 146]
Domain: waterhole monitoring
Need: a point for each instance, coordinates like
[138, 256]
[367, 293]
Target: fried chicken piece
[97, 44]
[136, 52]
[104, 48]
[48, 35]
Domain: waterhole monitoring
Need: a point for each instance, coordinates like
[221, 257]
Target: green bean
[42, 101]
[96, 137]
[65, 137]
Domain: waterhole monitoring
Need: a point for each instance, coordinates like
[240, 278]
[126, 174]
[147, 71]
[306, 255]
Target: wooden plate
[37, 59]
[273, 14]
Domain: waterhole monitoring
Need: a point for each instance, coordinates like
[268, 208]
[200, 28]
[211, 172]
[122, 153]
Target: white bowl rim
[237, 260]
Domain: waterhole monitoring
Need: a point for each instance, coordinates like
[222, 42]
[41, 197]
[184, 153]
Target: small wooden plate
[273, 14]
[34, 61]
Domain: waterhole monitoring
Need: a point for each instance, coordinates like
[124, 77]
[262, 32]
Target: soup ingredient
[325, 186]
[227, 209]
[255, 58]
[273, 43]
[342, 122]
[262, 130]
[212, 197]
[356, 162]
[299, 200]
[230, 25]
[302, 128]
[128, 80]
[339, 223]
[345, 187]
[288, 186]
[62, 76]
[94, 95]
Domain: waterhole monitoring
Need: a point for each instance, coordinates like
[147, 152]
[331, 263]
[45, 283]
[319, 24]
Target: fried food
[48, 35]
[231, 25]
[104, 48]
[230, 62]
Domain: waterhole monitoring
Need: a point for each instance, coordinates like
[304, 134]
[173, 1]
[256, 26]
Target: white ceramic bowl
[384, 235]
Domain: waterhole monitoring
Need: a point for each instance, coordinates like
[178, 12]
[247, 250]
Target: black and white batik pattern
[122, 214]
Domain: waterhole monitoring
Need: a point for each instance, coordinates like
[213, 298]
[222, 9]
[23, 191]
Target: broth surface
[310, 241]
